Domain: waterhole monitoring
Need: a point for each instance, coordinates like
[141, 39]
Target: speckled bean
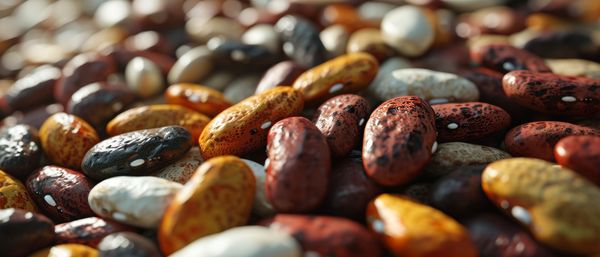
[60, 193]
[554, 94]
[298, 167]
[139, 152]
[469, 121]
[202, 207]
[88, 231]
[341, 120]
[537, 139]
[393, 154]
[20, 150]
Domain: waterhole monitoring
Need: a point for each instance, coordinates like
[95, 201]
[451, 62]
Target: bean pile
[300, 128]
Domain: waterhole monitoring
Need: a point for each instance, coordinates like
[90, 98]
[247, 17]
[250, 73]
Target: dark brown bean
[32, 90]
[564, 44]
[350, 190]
[468, 121]
[393, 154]
[83, 69]
[581, 154]
[61, 193]
[136, 153]
[20, 150]
[127, 244]
[98, 103]
[554, 94]
[22, 232]
[281, 74]
[304, 45]
[489, 83]
[327, 236]
[506, 58]
[537, 139]
[235, 55]
[298, 167]
[88, 231]
[496, 236]
[341, 121]
[459, 194]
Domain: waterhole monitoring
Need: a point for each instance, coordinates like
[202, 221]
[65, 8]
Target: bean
[61, 193]
[22, 232]
[392, 154]
[298, 166]
[136, 153]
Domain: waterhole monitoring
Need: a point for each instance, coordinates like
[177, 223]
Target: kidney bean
[127, 244]
[540, 194]
[20, 150]
[83, 69]
[425, 230]
[348, 73]
[341, 120]
[537, 139]
[281, 74]
[99, 102]
[393, 154]
[302, 39]
[32, 90]
[88, 231]
[489, 83]
[22, 232]
[243, 128]
[326, 236]
[459, 193]
[155, 116]
[13, 194]
[183, 223]
[192, 66]
[182, 170]
[135, 201]
[469, 121]
[349, 190]
[496, 236]
[432, 86]
[581, 154]
[298, 167]
[66, 138]
[506, 58]
[136, 153]
[248, 241]
[61, 193]
[453, 155]
[564, 44]
[554, 94]
[197, 97]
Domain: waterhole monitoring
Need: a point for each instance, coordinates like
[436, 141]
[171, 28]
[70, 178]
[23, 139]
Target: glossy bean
[61, 193]
[298, 167]
[392, 154]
